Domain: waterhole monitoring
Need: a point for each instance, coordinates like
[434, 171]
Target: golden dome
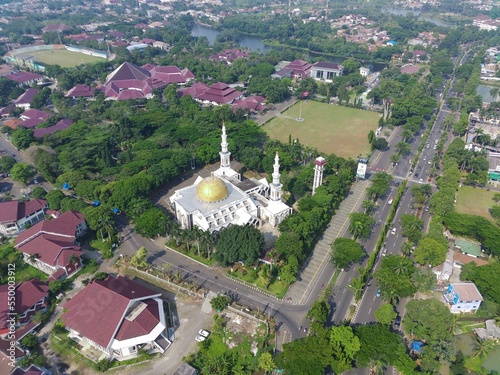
[211, 189]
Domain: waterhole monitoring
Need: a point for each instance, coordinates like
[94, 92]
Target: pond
[404, 12]
[484, 91]
[492, 363]
[465, 342]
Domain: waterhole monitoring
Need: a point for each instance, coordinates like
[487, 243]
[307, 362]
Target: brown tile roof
[56, 27]
[64, 227]
[220, 93]
[35, 114]
[467, 291]
[27, 96]
[22, 77]
[61, 125]
[29, 293]
[80, 91]
[15, 210]
[51, 249]
[97, 311]
[144, 323]
[465, 259]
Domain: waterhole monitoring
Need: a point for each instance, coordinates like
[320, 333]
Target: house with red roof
[129, 81]
[118, 317]
[297, 69]
[218, 94]
[30, 297]
[8, 357]
[16, 215]
[254, 103]
[32, 114]
[24, 78]
[50, 244]
[24, 100]
[80, 91]
[60, 125]
[5, 111]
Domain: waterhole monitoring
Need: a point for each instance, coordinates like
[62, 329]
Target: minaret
[275, 194]
[319, 167]
[225, 155]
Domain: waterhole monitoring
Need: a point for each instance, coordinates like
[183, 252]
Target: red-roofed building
[15, 215]
[229, 55]
[24, 100]
[61, 125]
[133, 82]
[30, 297]
[50, 244]
[56, 27]
[32, 114]
[117, 316]
[6, 363]
[252, 104]
[193, 91]
[80, 91]
[297, 69]
[5, 111]
[25, 78]
[30, 123]
[219, 93]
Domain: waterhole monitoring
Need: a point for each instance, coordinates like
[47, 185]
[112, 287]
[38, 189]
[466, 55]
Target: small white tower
[276, 186]
[319, 167]
[225, 155]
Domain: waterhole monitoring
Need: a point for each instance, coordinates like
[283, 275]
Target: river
[256, 44]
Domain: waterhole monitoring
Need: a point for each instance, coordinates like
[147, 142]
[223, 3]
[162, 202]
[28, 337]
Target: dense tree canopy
[428, 320]
[345, 252]
[239, 243]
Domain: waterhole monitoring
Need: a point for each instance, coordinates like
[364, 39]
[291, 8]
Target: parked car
[384, 252]
[378, 292]
[202, 335]
[393, 231]
[391, 199]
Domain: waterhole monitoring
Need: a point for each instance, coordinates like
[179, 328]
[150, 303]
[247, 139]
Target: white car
[200, 338]
[204, 333]
[393, 231]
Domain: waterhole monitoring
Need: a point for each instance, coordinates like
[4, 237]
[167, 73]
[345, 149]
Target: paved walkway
[299, 291]
[278, 108]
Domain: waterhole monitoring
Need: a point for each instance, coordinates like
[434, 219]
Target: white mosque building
[223, 199]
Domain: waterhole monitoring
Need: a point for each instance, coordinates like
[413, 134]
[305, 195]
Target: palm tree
[356, 229]
[400, 269]
[368, 206]
[494, 93]
[33, 257]
[483, 348]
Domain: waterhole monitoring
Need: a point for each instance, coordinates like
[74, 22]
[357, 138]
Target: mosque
[224, 199]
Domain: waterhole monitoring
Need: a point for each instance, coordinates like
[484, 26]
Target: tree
[385, 314]
[486, 278]
[152, 223]
[403, 148]
[345, 345]
[380, 184]
[6, 163]
[395, 158]
[411, 227]
[23, 172]
[380, 144]
[39, 192]
[496, 196]
[319, 312]
[345, 252]
[22, 137]
[371, 137]
[368, 205]
[220, 302]
[266, 362]
[139, 259]
[30, 341]
[394, 277]
[428, 320]
[360, 225]
[483, 348]
[239, 243]
[430, 251]
[54, 198]
[290, 244]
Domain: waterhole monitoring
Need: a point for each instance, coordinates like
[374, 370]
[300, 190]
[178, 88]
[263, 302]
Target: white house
[325, 71]
[16, 215]
[118, 317]
[462, 297]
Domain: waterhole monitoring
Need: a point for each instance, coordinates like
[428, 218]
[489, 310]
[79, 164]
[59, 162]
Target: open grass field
[329, 128]
[61, 57]
[474, 201]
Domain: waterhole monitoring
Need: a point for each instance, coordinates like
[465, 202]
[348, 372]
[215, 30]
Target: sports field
[61, 57]
[475, 201]
[329, 128]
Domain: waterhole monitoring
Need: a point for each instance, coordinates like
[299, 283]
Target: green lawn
[329, 128]
[62, 57]
[475, 201]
